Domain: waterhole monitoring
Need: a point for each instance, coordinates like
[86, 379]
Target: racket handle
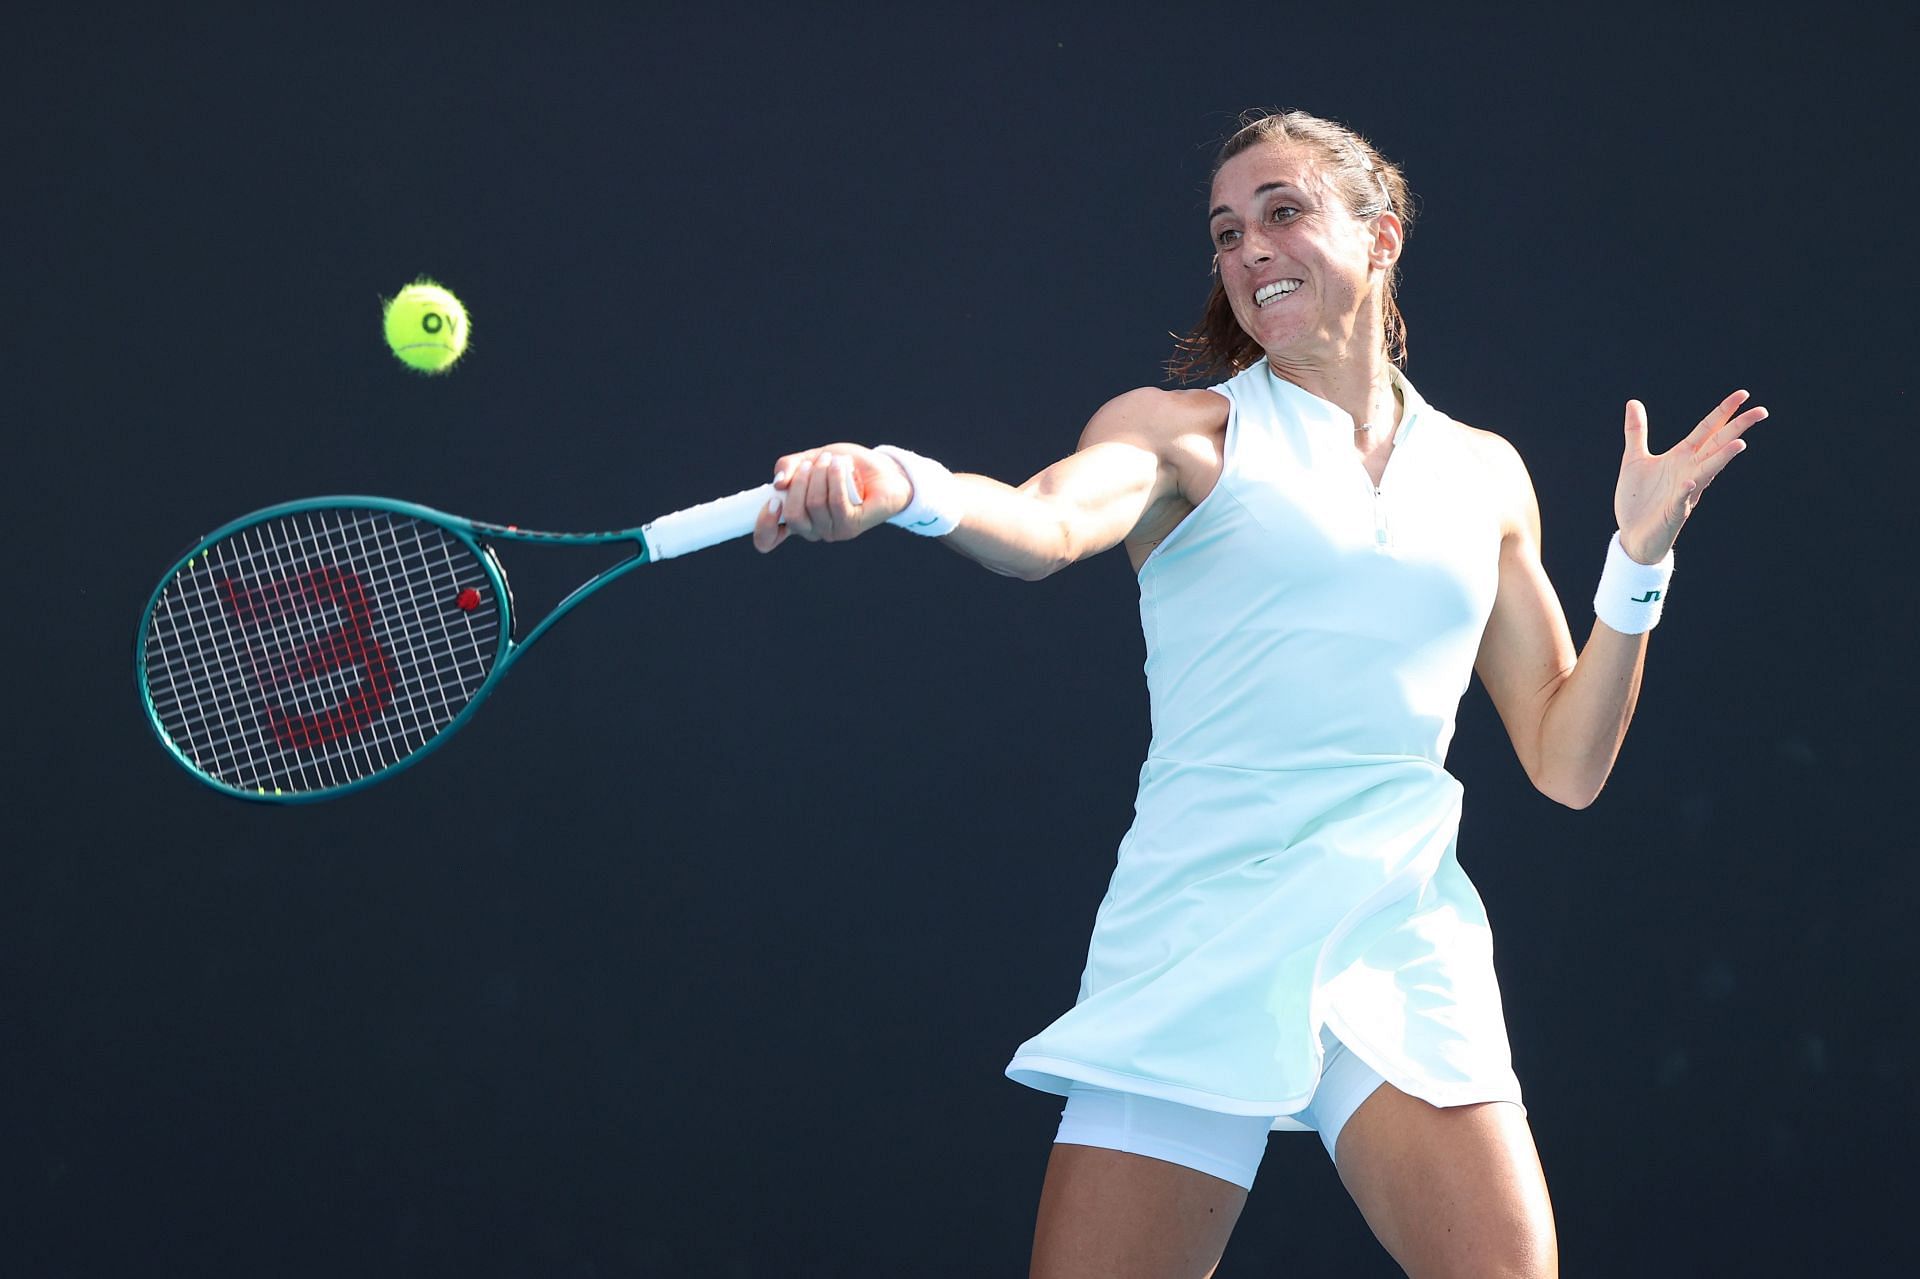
[698, 527]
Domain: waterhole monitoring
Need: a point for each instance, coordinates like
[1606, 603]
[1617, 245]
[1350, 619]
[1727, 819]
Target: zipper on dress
[1382, 528]
[1382, 532]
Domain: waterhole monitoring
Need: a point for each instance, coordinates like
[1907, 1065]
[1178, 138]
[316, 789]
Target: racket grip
[698, 527]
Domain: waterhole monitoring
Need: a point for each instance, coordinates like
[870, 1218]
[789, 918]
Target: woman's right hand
[831, 494]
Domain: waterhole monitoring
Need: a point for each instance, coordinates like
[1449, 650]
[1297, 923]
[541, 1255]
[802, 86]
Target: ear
[1387, 238]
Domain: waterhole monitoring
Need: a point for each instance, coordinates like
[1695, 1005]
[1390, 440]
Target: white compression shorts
[1225, 1146]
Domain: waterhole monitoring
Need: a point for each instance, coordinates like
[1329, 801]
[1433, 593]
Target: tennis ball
[426, 327]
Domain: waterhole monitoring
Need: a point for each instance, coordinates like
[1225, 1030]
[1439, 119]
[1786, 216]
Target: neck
[1361, 386]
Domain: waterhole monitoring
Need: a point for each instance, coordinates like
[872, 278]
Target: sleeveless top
[1291, 862]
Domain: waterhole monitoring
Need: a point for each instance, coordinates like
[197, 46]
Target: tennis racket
[316, 647]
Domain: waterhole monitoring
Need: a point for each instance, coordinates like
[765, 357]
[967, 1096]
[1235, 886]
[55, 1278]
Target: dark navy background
[704, 946]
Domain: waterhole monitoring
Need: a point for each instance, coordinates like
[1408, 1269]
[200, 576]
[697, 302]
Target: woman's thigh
[1107, 1214]
[1454, 1190]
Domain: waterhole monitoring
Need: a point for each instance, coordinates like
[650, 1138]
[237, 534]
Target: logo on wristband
[1649, 598]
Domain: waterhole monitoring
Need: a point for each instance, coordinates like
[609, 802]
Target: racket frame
[475, 534]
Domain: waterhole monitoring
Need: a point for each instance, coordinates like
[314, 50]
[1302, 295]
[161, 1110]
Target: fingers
[818, 497]
[1636, 429]
[807, 512]
[1716, 442]
[768, 531]
[1715, 420]
[843, 494]
[769, 527]
[1718, 427]
[1715, 450]
[1735, 429]
[1716, 463]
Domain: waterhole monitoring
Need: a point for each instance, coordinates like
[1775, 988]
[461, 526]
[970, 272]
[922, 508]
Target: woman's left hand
[1657, 493]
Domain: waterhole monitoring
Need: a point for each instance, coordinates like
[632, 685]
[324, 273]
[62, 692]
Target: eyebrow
[1258, 191]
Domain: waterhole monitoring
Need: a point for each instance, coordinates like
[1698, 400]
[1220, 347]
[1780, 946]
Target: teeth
[1279, 288]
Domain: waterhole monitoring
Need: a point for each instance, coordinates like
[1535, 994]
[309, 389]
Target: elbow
[1027, 570]
[1575, 793]
[1055, 557]
[1575, 800]
[1572, 778]
[1045, 569]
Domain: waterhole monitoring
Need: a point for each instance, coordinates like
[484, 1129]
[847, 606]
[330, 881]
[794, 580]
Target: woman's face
[1300, 271]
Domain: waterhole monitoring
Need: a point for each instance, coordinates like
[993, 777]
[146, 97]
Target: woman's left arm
[1567, 715]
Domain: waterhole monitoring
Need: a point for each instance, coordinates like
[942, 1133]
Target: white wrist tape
[936, 506]
[1631, 593]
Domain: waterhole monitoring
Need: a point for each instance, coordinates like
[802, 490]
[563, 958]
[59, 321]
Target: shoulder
[1185, 432]
[1495, 452]
[1509, 487]
[1156, 417]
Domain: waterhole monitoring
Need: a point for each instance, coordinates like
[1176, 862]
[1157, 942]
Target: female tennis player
[1323, 558]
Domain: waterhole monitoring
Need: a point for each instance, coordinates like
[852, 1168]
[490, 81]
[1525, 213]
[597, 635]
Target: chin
[1274, 339]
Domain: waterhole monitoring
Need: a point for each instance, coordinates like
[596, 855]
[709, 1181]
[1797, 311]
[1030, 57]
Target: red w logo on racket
[319, 682]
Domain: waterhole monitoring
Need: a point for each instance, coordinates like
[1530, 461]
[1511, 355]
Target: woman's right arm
[1125, 472]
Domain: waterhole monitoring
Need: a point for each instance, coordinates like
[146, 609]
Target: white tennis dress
[1291, 861]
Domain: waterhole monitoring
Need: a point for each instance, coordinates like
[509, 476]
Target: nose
[1255, 248]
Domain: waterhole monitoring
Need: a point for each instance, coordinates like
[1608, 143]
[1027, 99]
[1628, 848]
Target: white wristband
[1631, 593]
[935, 508]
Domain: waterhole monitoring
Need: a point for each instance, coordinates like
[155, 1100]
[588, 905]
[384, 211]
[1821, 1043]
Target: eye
[1225, 236]
[1282, 213]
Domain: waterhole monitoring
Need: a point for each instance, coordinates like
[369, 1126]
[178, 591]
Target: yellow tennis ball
[426, 327]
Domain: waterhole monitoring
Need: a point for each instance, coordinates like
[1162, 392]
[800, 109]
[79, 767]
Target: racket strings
[338, 707]
[313, 697]
[314, 650]
[239, 658]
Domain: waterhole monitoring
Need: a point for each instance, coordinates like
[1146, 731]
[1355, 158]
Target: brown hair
[1360, 175]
